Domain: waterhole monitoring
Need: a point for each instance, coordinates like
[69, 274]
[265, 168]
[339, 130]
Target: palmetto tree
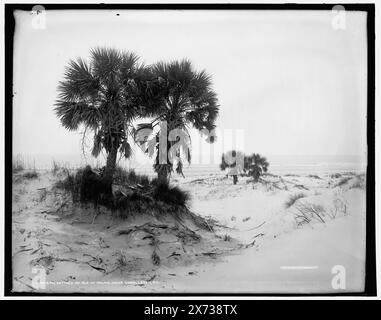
[101, 94]
[178, 98]
[256, 165]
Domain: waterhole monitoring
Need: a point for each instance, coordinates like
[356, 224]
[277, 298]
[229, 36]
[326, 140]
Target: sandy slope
[255, 240]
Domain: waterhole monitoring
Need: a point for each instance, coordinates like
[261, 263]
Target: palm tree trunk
[108, 174]
[163, 175]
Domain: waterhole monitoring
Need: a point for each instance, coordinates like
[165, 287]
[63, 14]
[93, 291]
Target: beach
[256, 243]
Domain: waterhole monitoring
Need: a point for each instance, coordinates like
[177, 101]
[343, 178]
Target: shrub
[131, 176]
[30, 174]
[170, 195]
[66, 184]
[70, 184]
[92, 188]
[256, 165]
[144, 180]
[293, 198]
[85, 186]
[359, 182]
[123, 176]
[134, 201]
[342, 181]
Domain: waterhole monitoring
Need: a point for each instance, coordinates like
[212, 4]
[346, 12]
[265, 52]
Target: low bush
[30, 174]
[171, 195]
[87, 186]
[130, 177]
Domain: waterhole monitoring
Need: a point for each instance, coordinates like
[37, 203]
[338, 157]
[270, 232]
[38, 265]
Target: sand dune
[255, 238]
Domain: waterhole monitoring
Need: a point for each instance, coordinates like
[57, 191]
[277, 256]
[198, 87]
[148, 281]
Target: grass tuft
[342, 181]
[132, 194]
[293, 198]
[130, 177]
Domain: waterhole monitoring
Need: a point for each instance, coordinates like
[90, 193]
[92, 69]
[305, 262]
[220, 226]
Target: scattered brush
[301, 186]
[70, 184]
[92, 187]
[133, 203]
[314, 176]
[42, 194]
[342, 181]
[227, 237]
[121, 260]
[357, 185]
[307, 212]
[339, 206]
[30, 174]
[349, 173]
[155, 258]
[359, 182]
[293, 198]
[157, 198]
[125, 177]
[171, 195]
[17, 166]
[57, 167]
[336, 175]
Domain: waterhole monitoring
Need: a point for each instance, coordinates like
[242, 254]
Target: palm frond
[73, 114]
[125, 149]
[79, 84]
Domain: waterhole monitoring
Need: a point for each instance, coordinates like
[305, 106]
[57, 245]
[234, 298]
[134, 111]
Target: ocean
[279, 164]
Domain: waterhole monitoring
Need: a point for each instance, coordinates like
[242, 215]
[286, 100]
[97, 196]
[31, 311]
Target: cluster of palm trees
[108, 93]
[253, 165]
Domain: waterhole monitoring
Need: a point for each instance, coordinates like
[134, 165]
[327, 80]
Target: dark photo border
[370, 266]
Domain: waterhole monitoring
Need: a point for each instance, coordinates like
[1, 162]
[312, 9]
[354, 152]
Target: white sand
[266, 243]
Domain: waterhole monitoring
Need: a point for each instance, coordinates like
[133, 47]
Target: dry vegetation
[293, 198]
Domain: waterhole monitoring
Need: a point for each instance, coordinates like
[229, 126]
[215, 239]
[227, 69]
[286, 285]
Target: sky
[288, 82]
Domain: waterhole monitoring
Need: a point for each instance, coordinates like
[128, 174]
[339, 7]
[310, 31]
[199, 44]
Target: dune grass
[18, 164]
[163, 191]
[30, 174]
[123, 176]
[135, 193]
[342, 181]
[293, 198]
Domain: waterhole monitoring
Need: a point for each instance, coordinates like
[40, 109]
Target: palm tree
[256, 165]
[177, 97]
[101, 95]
